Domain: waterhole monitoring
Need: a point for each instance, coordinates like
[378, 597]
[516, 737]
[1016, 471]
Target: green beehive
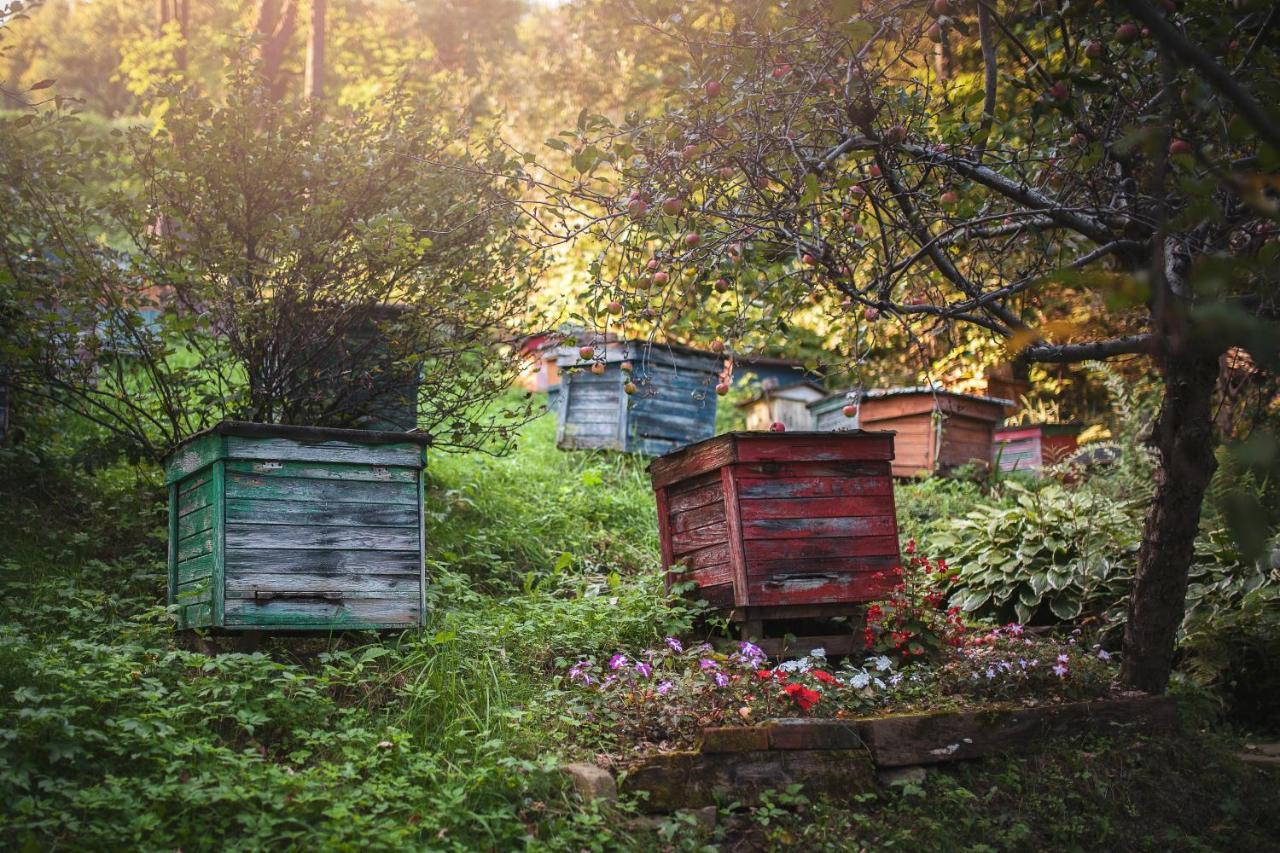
[289, 528]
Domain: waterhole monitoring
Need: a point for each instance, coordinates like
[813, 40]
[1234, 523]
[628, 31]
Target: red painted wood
[853, 588]
[695, 518]
[664, 533]
[695, 498]
[692, 540]
[815, 487]
[823, 447]
[816, 471]
[818, 549]
[710, 556]
[690, 461]
[802, 528]
[763, 570]
[778, 520]
[735, 533]
[764, 508]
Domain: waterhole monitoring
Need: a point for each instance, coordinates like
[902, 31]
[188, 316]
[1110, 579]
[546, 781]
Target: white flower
[859, 680]
[883, 663]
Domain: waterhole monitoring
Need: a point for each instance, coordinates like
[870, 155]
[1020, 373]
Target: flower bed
[921, 657]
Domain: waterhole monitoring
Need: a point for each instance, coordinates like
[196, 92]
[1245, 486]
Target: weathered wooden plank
[721, 573]
[821, 548]
[196, 616]
[277, 559]
[699, 517]
[734, 532]
[196, 521]
[763, 570]
[324, 471]
[312, 537]
[195, 546]
[241, 485]
[592, 428]
[694, 498]
[693, 540]
[801, 528]
[709, 556]
[242, 584]
[717, 595]
[196, 499]
[286, 450]
[171, 553]
[710, 478]
[195, 455]
[705, 456]
[827, 447]
[301, 512]
[345, 615]
[654, 446]
[195, 568]
[841, 507]
[815, 486]
[195, 592]
[817, 588]
[218, 484]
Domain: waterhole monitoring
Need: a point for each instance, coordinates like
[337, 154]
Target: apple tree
[1076, 179]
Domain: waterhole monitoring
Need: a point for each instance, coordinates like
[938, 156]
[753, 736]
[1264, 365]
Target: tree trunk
[1184, 441]
[314, 83]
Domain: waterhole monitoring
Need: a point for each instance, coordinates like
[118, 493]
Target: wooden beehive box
[1030, 448]
[763, 522]
[674, 403]
[787, 405]
[935, 429]
[288, 528]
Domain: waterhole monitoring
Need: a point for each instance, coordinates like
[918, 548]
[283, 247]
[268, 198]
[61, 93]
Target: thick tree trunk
[1184, 441]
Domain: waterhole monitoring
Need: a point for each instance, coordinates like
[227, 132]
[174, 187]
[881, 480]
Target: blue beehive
[674, 403]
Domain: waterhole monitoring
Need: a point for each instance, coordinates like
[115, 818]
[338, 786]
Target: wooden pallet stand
[784, 532]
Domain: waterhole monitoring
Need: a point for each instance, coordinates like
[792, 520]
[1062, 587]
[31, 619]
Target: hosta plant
[1055, 555]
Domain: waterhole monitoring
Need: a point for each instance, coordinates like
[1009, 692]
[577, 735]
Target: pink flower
[1060, 670]
[664, 687]
[708, 663]
[617, 661]
[722, 680]
[674, 645]
[644, 669]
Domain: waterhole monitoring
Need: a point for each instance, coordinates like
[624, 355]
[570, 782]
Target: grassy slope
[113, 734]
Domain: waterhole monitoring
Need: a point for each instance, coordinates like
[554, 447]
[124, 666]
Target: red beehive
[774, 524]
[1030, 448]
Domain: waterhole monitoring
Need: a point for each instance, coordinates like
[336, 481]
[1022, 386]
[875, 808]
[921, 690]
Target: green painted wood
[172, 555]
[241, 485]
[243, 584]
[196, 498]
[324, 471]
[195, 546]
[308, 530]
[196, 521]
[422, 550]
[330, 561]
[320, 537]
[310, 614]
[193, 569]
[197, 616]
[287, 450]
[218, 578]
[303, 512]
[192, 457]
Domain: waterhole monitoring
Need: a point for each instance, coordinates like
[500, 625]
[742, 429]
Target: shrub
[1053, 554]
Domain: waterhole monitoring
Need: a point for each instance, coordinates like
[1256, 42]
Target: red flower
[764, 674]
[803, 696]
[824, 676]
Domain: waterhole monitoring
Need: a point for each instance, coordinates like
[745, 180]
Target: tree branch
[1066, 353]
[1215, 74]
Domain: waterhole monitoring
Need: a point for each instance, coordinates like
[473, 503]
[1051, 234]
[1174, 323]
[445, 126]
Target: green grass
[117, 734]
